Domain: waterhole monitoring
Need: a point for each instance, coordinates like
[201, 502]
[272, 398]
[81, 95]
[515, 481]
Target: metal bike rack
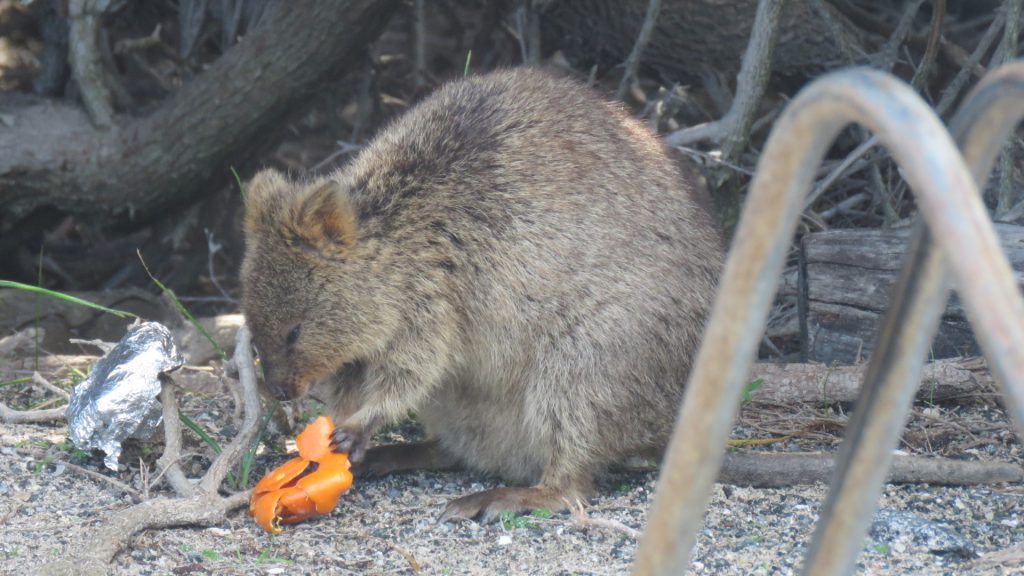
[964, 240]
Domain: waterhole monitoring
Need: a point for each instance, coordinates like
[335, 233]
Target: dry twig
[132, 44]
[732, 130]
[956, 86]
[633, 61]
[12, 416]
[84, 472]
[581, 518]
[169, 460]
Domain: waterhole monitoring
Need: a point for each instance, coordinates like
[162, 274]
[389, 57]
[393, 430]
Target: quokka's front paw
[353, 441]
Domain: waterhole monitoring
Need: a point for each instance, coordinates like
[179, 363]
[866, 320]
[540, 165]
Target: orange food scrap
[305, 486]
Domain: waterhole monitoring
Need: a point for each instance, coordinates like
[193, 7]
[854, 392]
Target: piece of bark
[53, 156]
[847, 278]
[773, 470]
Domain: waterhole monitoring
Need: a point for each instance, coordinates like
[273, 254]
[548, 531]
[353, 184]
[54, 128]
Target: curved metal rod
[984, 121]
[949, 202]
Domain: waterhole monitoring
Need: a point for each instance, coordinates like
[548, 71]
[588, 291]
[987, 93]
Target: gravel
[389, 525]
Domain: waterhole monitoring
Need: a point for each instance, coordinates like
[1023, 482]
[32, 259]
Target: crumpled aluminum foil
[119, 398]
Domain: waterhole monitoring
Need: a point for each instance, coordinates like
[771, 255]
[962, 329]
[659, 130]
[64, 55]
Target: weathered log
[53, 156]
[846, 280]
[773, 470]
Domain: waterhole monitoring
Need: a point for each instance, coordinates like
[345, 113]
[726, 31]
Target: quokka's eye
[293, 336]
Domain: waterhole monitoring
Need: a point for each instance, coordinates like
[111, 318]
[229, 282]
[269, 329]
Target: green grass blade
[245, 466]
[206, 438]
[184, 311]
[16, 381]
[241, 187]
[39, 283]
[65, 297]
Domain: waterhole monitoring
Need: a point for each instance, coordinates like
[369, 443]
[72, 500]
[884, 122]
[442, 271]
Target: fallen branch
[787, 384]
[773, 470]
[96, 546]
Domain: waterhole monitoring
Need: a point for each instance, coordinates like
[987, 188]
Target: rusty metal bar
[985, 120]
[949, 202]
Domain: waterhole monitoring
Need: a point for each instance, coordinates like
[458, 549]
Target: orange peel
[302, 487]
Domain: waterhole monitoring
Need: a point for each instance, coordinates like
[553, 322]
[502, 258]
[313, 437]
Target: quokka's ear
[321, 218]
[263, 199]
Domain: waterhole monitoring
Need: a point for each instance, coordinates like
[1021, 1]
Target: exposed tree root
[95, 547]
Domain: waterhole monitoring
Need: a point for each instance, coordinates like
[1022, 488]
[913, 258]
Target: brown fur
[515, 259]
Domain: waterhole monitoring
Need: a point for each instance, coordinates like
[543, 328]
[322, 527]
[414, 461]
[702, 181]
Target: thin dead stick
[843, 206]
[231, 454]
[732, 130]
[956, 86]
[83, 471]
[889, 53]
[581, 518]
[633, 60]
[931, 51]
[840, 170]
[43, 382]
[169, 460]
[12, 416]
[131, 44]
[182, 458]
